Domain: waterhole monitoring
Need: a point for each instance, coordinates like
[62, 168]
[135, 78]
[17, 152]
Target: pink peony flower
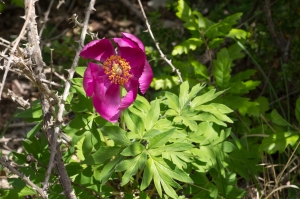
[128, 67]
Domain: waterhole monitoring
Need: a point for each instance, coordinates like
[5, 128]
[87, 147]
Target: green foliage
[189, 140]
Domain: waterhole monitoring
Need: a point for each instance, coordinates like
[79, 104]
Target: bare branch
[6, 163]
[16, 44]
[60, 3]
[157, 46]
[46, 18]
[24, 103]
[53, 147]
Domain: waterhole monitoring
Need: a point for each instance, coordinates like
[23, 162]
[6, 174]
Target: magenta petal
[124, 42]
[98, 50]
[108, 109]
[132, 89]
[101, 85]
[93, 70]
[146, 78]
[135, 39]
[103, 110]
[88, 81]
[135, 56]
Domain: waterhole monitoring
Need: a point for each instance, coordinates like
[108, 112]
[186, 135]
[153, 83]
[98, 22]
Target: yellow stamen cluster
[117, 69]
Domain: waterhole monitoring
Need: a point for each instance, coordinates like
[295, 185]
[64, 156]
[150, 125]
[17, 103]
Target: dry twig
[7, 164]
[16, 44]
[157, 46]
[67, 88]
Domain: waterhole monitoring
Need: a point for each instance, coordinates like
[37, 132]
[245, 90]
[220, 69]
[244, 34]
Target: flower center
[117, 69]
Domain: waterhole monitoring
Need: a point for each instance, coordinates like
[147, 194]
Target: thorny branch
[67, 88]
[32, 59]
[16, 44]
[157, 46]
[7, 164]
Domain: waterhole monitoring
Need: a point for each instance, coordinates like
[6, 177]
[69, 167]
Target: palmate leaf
[152, 116]
[217, 110]
[104, 174]
[206, 97]
[185, 96]
[173, 102]
[163, 176]
[160, 139]
[116, 134]
[134, 122]
[175, 153]
[131, 166]
[213, 150]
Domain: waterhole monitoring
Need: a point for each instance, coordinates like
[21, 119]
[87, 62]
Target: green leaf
[153, 115]
[277, 119]
[179, 146]
[188, 121]
[34, 113]
[77, 81]
[175, 153]
[199, 19]
[134, 122]
[263, 104]
[84, 103]
[238, 34]
[141, 104]
[117, 134]
[133, 149]
[173, 102]
[236, 52]
[148, 174]
[206, 97]
[183, 94]
[222, 69]
[163, 175]
[244, 75]
[244, 162]
[204, 135]
[213, 109]
[233, 19]
[215, 43]
[101, 155]
[34, 130]
[131, 166]
[199, 69]
[184, 12]
[207, 117]
[278, 142]
[108, 169]
[243, 104]
[195, 90]
[80, 70]
[186, 46]
[160, 139]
